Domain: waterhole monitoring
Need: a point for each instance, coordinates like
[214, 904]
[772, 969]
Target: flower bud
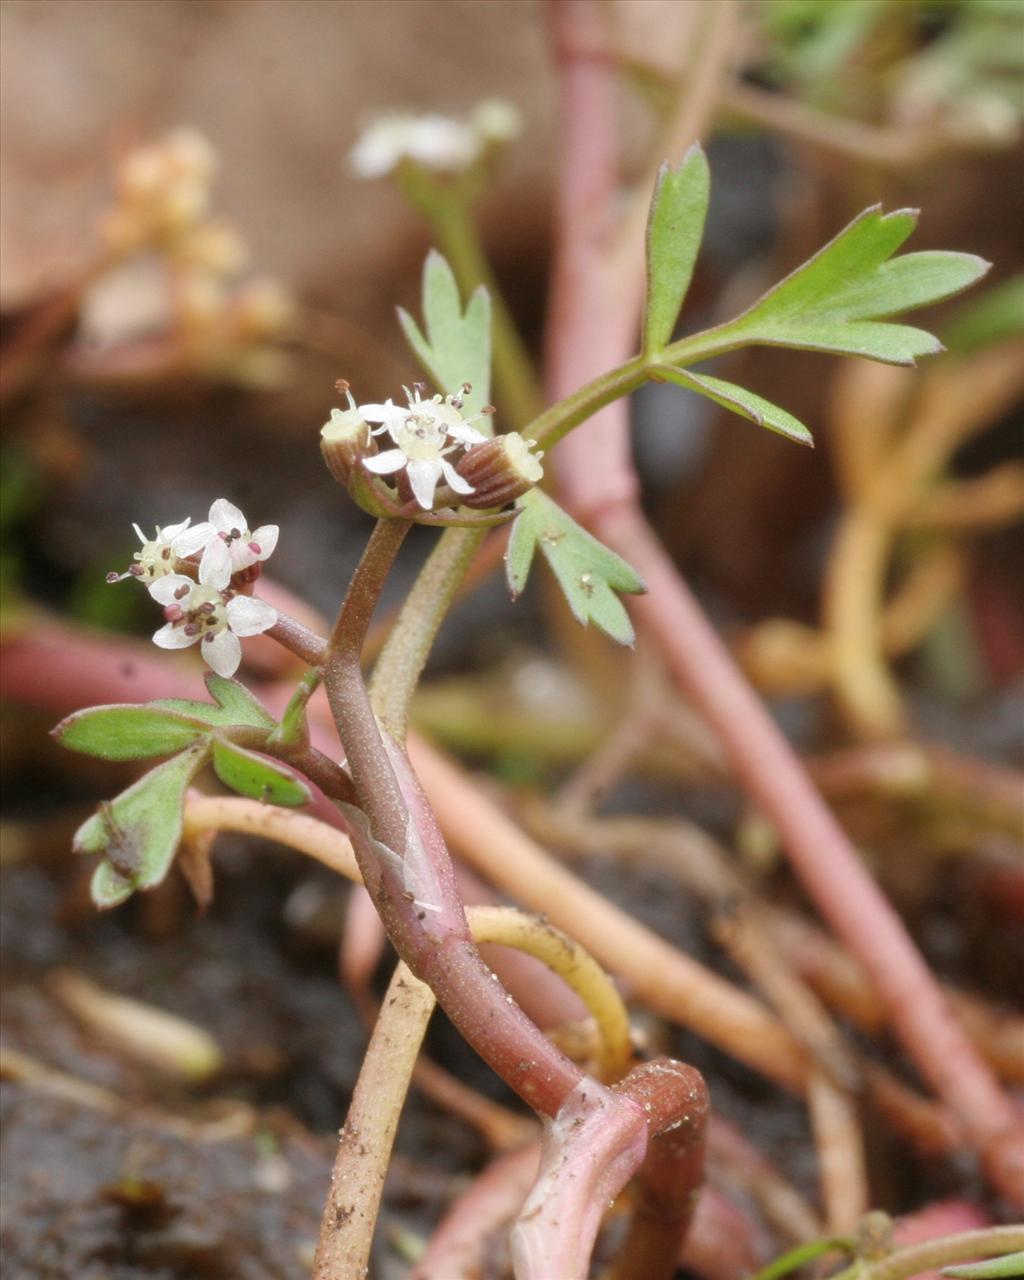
[500, 471]
[344, 442]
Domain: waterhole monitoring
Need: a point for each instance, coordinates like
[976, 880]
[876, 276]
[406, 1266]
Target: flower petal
[171, 637]
[455, 480]
[424, 474]
[170, 531]
[265, 538]
[225, 516]
[223, 652]
[249, 617]
[215, 568]
[384, 463]
[379, 412]
[164, 590]
[189, 541]
[466, 434]
[139, 534]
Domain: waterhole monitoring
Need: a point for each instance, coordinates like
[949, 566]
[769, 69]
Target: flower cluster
[433, 444]
[176, 269]
[433, 141]
[195, 572]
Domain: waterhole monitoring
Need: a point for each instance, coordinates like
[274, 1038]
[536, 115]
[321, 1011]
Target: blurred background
[145, 374]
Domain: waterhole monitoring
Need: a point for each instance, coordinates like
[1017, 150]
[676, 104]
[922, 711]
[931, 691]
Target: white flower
[202, 612]
[227, 543]
[495, 120]
[157, 555]
[434, 141]
[425, 432]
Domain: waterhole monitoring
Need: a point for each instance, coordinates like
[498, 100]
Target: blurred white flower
[435, 141]
[425, 433]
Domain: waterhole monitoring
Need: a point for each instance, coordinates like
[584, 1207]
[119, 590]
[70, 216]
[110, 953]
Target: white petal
[379, 412]
[188, 542]
[242, 555]
[225, 516]
[249, 617]
[164, 590]
[170, 531]
[423, 477]
[265, 538]
[169, 637]
[223, 652]
[384, 463]
[215, 568]
[455, 480]
[466, 434]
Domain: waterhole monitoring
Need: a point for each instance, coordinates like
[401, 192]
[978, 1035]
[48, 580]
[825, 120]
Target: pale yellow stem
[840, 1148]
[565, 956]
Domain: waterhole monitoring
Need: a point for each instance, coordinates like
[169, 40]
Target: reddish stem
[589, 332]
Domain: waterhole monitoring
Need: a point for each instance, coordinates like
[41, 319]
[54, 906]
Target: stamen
[182, 592]
[113, 576]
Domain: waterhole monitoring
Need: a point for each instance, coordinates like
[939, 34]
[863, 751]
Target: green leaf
[837, 299]
[1009, 1266]
[997, 316]
[233, 705]
[252, 775]
[587, 571]
[457, 345]
[128, 732]
[138, 832]
[743, 402]
[674, 230]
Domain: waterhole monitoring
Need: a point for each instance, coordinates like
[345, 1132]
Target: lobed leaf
[253, 775]
[233, 705]
[743, 402]
[837, 300]
[675, 227]
[588, 572]
[138, 832]
[456, 348]
[128, 732]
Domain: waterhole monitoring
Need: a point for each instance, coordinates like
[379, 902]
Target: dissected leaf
[138, 831]
[839, 299]
[743, 402]
[587, 571]
[233, 704]
[1009, 1267]
[128, 732]
[457, 346]
[674, 230]
[997, 316]
[252, 775]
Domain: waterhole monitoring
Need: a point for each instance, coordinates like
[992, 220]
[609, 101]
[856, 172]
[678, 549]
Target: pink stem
[587, 333]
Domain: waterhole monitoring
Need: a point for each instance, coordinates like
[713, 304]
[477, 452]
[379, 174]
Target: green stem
[554, 423]
[293, 730]
[404, 656]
